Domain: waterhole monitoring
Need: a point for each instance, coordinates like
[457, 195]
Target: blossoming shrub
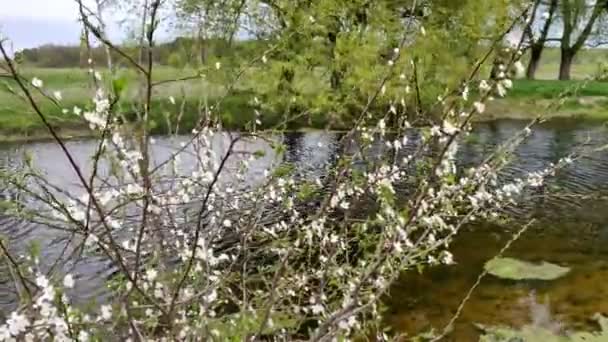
[207, 246]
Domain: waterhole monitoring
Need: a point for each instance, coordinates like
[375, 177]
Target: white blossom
[17, 324]
[479, 107]
[106, 312]
[68, 281]
[484, 86]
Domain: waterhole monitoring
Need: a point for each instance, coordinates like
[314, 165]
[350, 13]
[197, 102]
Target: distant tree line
[180, 52]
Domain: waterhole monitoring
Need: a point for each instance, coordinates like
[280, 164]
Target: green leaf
[119, 84]
[509, 268]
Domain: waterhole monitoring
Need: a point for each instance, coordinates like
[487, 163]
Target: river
[572, 231]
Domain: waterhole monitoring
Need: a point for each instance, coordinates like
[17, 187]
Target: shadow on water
[571, 231]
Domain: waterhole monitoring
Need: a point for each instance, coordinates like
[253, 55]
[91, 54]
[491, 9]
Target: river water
[572, 231]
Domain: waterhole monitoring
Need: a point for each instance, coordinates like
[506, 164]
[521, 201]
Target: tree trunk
[536, 52]
[335, 80]
[104, 31]
[565, 64]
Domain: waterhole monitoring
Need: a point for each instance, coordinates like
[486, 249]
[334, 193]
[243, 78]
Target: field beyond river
[580, 99]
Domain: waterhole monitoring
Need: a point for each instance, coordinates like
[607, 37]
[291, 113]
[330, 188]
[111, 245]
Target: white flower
[218, 65]
[448, 128]
[172, 100]
[500, 89]
[317, 309]
[41, 281]
[106, 312]
[435, 131]
[151, 275]
[57, 95]
[211, 297]
[83, 336]
[77, 110]
[447, 258]
[479, 107]
[68, 281]
[36, 82]
[507, 83]
[5, 334]
[17, 324]
[484, 86]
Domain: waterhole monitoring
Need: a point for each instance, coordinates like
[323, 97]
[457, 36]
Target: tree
[579, 18]
[546, 13]
[336, 42]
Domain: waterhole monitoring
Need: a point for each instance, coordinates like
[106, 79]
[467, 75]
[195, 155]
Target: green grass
[552, 88]
[17, 118]
[578, 100]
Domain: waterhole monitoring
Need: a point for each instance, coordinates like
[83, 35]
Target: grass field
[586, 99]
[18, 119]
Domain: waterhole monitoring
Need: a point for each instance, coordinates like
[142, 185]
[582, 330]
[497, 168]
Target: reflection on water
[571, 231]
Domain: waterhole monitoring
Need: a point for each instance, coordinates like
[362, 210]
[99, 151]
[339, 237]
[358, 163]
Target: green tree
[544, 17]
[579, 18]
[330, 55]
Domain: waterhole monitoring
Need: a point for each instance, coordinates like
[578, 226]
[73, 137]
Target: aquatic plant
[514, 269]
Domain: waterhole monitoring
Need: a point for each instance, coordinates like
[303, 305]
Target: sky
[30, 23]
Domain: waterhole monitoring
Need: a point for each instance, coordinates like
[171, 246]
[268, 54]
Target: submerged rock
[531, 333]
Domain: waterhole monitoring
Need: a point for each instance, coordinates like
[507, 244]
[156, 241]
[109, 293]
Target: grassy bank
[584, 100]
[580, 100]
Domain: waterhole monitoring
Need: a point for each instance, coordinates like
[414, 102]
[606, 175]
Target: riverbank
[553, 100]
[581, 101]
